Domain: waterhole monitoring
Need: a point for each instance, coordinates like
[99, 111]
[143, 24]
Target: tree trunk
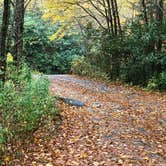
[159, 18]
[19, 29]
[4, 30]
[118, 18]
[114, 17]
[110, 19]
[144, 11]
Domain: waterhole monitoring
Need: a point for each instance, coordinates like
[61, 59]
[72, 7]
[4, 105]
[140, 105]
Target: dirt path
[117, 126]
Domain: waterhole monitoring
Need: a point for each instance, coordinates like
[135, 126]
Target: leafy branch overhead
[104, 14]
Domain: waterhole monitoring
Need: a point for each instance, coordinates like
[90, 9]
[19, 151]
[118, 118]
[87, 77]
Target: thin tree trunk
[114, 17]
[118, 18]
[19, 29]
[110, 19]
[106, 17]
[159, 18]
[4, 30]
[145, 11]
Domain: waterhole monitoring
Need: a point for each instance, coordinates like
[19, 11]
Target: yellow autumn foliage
[9, 57]
[65, 12]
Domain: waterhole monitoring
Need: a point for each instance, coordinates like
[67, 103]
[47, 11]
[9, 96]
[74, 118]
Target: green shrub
[23, 103]
[44, 55]
[82, 66]
[158, 82]
[132, 57]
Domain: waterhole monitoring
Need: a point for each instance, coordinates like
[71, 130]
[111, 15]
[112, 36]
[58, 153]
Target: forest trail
[118, 125]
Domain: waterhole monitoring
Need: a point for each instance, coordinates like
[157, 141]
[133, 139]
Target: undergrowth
[24, 104]
[81, 66]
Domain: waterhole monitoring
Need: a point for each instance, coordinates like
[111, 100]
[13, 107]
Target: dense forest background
[97, 39]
